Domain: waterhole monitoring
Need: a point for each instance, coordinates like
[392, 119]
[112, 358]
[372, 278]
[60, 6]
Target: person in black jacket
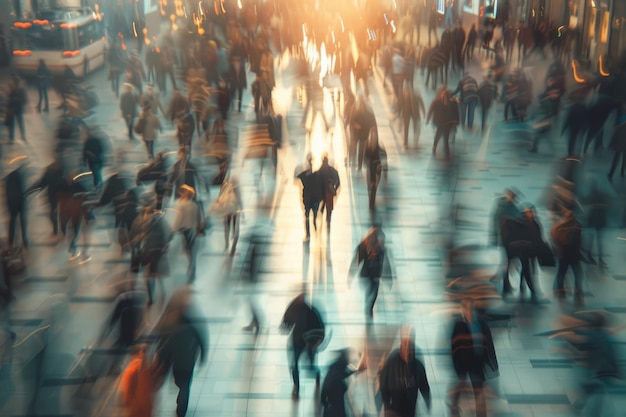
[331, 182]
[16, 104]
[566, 235]
[334, 387]
[312, 194]
[575, 123]
[402, 378]
[307, 332]
[361, 121]
[237, 79]
[473, 356]
[487, 94]
[16, 202]
[43, 83]
[93, 157]
[444, 110]
[53, 180]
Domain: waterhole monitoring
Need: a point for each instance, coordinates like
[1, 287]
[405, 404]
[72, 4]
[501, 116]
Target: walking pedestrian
[117, 62]
[313, 193]
[444, 110]
[237, 80]
[15, 185]
[331, 182]
[334, 387]
[16, 104]
[43, 84]
[128, 105]
[505, 207]
[473, 357]
[189, 218]
[468, 87]
[93, 156]
[487, 94]
[566, 235]
[151, 128]
[372, 254]
[307, 332]
[402, 378]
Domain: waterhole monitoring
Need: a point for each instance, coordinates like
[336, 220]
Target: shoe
[295, 394]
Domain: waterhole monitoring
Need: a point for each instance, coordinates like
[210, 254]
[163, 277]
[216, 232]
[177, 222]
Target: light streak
[603, 72]
[17, 159]
[82, 174]
[134, 29]
[577, 78]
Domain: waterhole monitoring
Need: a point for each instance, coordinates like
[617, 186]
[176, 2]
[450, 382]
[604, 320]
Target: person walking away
[16, 104]
[361, 122]
[331, 182]
[313, 193]
[185, 128]
[402, 378]
[487, 94]
[117, 62]
[473, 356]
[229, 204]
[566, 236]
[15, 185]
[178, 104]
[139, 383]
[505, 207]
[433, 24]
[307, 332]
[150, 100]
[184, 172]
[262, 95]
[458, 36]
[470, 45]
[444, 111]
[151, 128]
[372, 254]
[183, 340]
[93, 157]
[189, 218]
[397, 73]
[376, 162]
[468, 87]
[237, 80]
[43, 84]
[575, 123]
[128, 105]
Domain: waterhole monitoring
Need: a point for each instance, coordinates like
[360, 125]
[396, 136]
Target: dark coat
[15, 185]
[334, 389]
[464, 357]
[400, 383]
[618, 140]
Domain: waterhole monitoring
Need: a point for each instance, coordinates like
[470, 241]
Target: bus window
[38, 40]
[70, 42]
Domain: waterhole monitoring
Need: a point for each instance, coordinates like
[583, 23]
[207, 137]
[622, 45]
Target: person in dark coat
[402, 378]
[313, 193]
[376, 163]
[487, 94]
[575, 123]
[566, 236]
[468, 88]
[372, 254]
[596, 116]
[183, 340]
[334, 387]
[458, 36]
[93, 157]
[52, 179]
[15, 186]
[129, 102]
[237, 80]
[505, 207]
[117, 61]
[597, 205]
[473, 356]
[185, 128]
[444, 111]
[16, 103]
[470, 45]
[331, 182]
[305, 323]
[43, 83]
[362, 120]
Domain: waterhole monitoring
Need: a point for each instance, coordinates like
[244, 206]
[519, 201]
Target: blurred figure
[372, 253]
[138, 384]
[618, 145]
[127, 316]
[444, 110]
[505, 207]
[313, 193]
[473, 356]
[15, 187]
[183, 339]
[576, 123]
[402, 378]
[361, 122]
[188, 219]
[16, 103]
[178, 105]
[150, 101]
[597, 204]
[228, 205]
[468, 87]
[262, 95]
[237, 80]
[307, 329]
[53, 180]
[128, 105]
[152, 127]
[184, 172]
[93, 157]
[487, 94]
[470, 45]
[185, 127]
[330, 180]
[43, 83]
[375, 158]
[566, 236]
[117, 61]
[334, 387]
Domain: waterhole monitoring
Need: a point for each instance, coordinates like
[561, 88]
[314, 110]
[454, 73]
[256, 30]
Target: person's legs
[479, 395]
[226, 231]
[182, 379]
[40, 101]
[506, 281]
[12, 225]
[11, 126]
[471, 108]
[559, 281]
[23, 215]
[296, 351]
[464, 108]
[446, 140]
[578, 283]
[371, 296]
[307, 226]
[20, 123]
[527, 276]
[438, 134]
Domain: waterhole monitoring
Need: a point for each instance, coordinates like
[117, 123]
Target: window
[87, 34]
[38, 39]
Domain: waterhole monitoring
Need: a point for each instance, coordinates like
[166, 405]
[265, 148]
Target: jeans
[19, 118]
[468, 107]
[150, 148]
[43, 98]
[477, 382]
[371, 294]
[484, 116]
[130, 123]
[298, 349]
[189, 240]
[443, 131]
[559, 283]
[182, 379]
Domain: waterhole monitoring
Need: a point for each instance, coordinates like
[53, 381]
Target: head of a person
[510, 194]
[529, 212]
[187, 192]
[407, 343]
[467, 308]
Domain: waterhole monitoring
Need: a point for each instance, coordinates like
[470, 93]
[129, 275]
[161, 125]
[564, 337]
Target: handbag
[140, 126]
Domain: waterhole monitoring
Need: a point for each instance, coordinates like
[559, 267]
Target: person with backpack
[307, 332]
[566, 236]
[372, 255]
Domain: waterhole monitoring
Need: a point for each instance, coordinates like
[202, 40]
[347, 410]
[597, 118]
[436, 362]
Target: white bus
[73, 37]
